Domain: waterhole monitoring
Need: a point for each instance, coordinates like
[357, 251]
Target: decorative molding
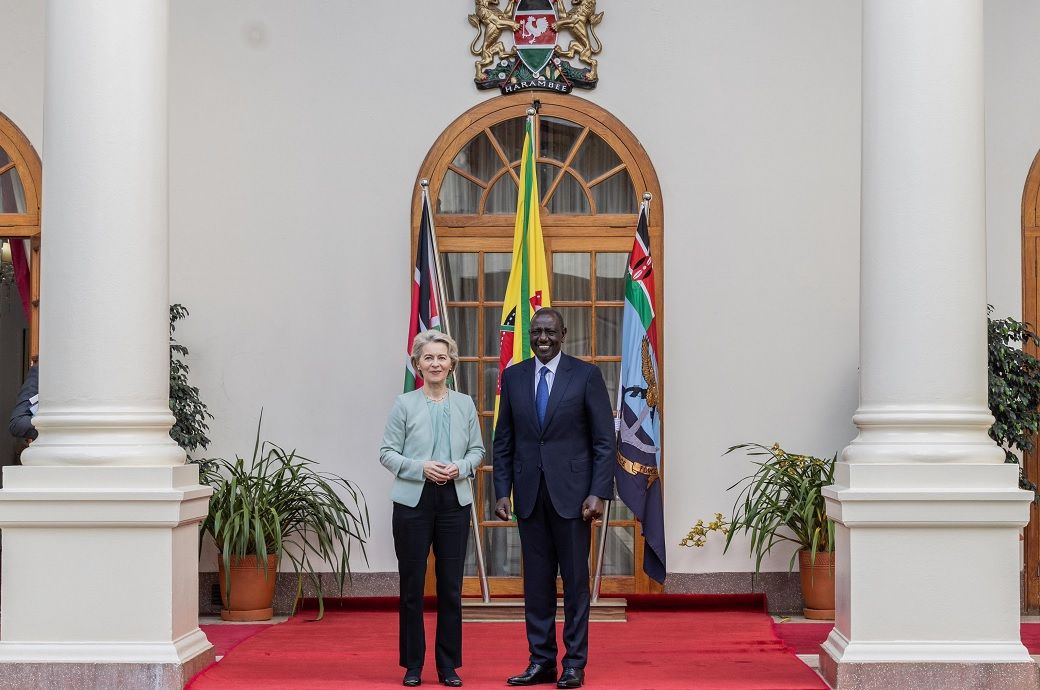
[178, 651]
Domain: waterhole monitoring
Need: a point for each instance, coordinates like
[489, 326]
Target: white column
[927, 513]
[99, 584]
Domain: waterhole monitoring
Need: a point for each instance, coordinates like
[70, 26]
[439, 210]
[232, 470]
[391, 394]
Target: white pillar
[927, 513]
[99, 584]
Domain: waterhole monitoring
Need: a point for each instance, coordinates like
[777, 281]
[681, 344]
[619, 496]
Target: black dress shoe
[412, 677]
[448, 676]
[534, 675]
[571, 678]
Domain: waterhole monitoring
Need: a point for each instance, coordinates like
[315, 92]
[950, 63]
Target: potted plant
[278, 507]
[782, 501]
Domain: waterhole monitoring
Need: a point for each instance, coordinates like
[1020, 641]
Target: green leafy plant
[189, 412]
[1014, 387]
[279, 503]
[782, 501]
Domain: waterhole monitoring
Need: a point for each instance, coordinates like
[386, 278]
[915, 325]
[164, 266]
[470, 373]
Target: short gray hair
[426, 337]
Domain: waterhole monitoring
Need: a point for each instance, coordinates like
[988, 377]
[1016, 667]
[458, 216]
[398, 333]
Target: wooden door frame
[25, 225]
[644, 179]
[1031, 314]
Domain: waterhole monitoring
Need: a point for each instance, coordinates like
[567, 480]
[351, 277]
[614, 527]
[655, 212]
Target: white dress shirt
[550, 377]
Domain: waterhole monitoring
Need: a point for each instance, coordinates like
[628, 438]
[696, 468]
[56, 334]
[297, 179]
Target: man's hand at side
[503, 509]
[592, 508]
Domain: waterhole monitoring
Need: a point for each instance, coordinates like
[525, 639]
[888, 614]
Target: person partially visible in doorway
[21, 426]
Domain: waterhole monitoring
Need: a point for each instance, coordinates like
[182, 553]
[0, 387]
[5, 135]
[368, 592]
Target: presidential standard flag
[426, 306]
[528, 287]
[639, 453]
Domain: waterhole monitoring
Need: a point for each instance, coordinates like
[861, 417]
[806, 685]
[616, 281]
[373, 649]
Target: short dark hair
[549, 311]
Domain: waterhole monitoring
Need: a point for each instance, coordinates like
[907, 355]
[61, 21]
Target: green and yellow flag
[528, 288]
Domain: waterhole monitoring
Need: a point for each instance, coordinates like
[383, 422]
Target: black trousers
[440, 521]
[549, 543]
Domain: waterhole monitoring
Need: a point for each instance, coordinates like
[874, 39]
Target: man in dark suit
[554, 452]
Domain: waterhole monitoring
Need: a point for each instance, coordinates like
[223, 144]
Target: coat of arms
[536, 60]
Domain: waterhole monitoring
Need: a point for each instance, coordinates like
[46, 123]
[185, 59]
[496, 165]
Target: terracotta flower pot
[252, 589]
[817, 584]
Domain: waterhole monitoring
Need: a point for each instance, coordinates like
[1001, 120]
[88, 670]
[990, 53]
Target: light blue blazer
[408, 443]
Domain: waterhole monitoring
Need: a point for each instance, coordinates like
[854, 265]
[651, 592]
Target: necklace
[436, 399]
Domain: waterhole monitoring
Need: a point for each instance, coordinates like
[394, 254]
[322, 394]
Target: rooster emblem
[533, 28]
[535, 35]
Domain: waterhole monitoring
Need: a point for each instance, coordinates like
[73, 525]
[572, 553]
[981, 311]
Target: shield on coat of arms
[535, 40]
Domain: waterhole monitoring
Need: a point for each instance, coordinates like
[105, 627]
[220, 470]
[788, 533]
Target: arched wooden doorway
[20, 184]
[592, 173]
[1031, 314]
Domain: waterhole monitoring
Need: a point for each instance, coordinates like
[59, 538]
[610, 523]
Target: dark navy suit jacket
[576, 449]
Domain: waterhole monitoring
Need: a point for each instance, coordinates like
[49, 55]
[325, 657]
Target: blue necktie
[541, 398]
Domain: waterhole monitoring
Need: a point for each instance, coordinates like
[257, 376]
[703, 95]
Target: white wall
[21, 66]
[1012, 140]
[297, 130]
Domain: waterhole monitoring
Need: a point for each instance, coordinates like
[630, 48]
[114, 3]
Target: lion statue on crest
[581, 22]
[490, 22]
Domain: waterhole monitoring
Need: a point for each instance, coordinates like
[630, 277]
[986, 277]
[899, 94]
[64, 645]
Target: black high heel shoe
[449, 677]
[412, 677]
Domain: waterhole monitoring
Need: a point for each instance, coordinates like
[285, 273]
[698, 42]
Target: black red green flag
[426, 306]
[638, 472]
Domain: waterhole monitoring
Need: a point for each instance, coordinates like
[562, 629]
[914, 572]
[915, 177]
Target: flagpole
[644, 208]
[445, 324]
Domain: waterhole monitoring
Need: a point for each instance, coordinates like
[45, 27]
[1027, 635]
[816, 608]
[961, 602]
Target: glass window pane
[487, 431]
[12, 196]
[458, 195]
[460, 276]
[502, 551]
[571, 271]
[608, 331]
[578, 321]
[478, 158]
[612, 378]
[466, 379]
[510, 136]
[502, 197]
[610, 275]
[619, 553]
[546, 174]
[492, 334]
[569, 197]
[4, 158]
[558, 137]
[489, 492]
[469, 569]
[595, 157]
[496, 275]
[616, 195]
[618, 509]
[490, 385]
[464, 329]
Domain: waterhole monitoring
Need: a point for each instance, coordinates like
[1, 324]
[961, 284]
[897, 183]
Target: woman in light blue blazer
[432, 445]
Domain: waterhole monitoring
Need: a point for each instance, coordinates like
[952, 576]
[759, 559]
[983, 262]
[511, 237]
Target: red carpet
[806, 638]
[691, 645]
[225, 637]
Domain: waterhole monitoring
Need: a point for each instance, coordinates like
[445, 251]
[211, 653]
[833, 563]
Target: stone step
[511, 610]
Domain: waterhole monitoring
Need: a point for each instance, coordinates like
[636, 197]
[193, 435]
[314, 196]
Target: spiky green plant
[279, 503]
[782, 501]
